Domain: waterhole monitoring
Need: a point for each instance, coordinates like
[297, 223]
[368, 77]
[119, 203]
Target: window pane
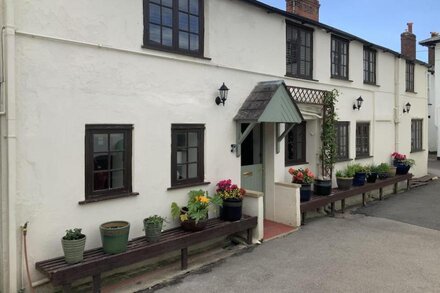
[183, 5]
[116, 141]
[117, 180]
[100, 143]
[167, 17]
[181, 157]
[194, 6]
[100, 181]
[194, 42]
[183, 21]
[181, 172]
[155, 33]
[167, 37]
[193, 24]
[181, 139]
[100, 162]
[192, 139]
[154, 13]
[183, 40]
[192, 171]
[192, 155]
[117, 160]
[168, 3]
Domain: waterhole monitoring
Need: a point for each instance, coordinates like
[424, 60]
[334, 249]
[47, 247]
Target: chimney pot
[410, 27]
[434, 34]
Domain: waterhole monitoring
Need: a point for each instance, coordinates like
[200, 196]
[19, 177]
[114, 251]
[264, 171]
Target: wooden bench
[96, 261]
[320, 201]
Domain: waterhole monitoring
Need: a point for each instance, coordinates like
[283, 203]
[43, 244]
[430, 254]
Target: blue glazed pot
[402, 169]
[359, 178]
[305, 192]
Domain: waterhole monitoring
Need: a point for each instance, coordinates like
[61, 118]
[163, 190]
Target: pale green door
[252, 159]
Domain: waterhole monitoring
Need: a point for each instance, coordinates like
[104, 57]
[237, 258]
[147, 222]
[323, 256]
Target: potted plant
[153, 227]
[73, 245]
[305, 177]
[114, 236]
[232, 197]
[371, 173]
[194, 216]
[344, 178]
[360, 175]
[383, 170]
[401, 163]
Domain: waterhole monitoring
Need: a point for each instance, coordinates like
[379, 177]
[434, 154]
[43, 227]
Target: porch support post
[283, 135]
[242, 136]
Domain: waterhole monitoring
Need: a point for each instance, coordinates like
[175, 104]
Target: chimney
[408, 43]
[305, 8]
[431, 51]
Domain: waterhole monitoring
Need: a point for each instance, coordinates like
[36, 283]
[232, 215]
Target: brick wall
[304, 8]
[408, 43]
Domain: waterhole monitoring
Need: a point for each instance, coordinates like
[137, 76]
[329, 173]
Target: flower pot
[392, 171]
[152, 231]
[231, 209]
[359, 178]
[192, 226]
[344, 183]
[305, 192]
[402, 169]
[383, 176]
[114, 236]
[371, 177]
[322, 187]
[73, 250]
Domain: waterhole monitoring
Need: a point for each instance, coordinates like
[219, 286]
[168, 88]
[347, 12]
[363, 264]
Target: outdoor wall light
[358, 103]
[223, 90]
[407, 108]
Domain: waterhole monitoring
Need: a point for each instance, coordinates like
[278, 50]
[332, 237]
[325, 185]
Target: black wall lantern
[223, 90]
[358, 103]
[407, 108]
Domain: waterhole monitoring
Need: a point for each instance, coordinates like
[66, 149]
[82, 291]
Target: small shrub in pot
[73, 245]
[153, 227]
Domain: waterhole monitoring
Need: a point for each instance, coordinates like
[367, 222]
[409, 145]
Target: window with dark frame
[295, 145]
[187, 154]
[369, 66]
[362, 139]
[409, 76]
[342, 140]
[108, 154]
[299, 54]
[416, 135]
[339, 58]
[174, 25]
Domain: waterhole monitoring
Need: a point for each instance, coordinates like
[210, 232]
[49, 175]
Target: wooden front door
[252, 159]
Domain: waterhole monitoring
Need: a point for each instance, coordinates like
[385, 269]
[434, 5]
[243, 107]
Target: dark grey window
[187, 154]
[369, 66]
[339, 58]
[416, 135]
[342, 140]
[362, 139]
[108, 160]
[295, 145]
[174, 25]
[409, 76]
[299, 55]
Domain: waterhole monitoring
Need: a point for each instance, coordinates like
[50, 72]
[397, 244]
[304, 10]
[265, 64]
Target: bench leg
[343, 205]
[364, 199]
[332, 207]
[97, 283]
[407, 184]
[184, 258]
[249, 236]
[67, 288]
[303, 219]
[380, 193]
[395, 188]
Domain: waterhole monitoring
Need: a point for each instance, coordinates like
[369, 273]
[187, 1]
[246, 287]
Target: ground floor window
[187, 154]
[362, 139]
[416, 135]
[108, 160]
[342, 140]
[295, 145]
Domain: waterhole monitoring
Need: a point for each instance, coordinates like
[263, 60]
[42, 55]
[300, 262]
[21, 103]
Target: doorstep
[273, 230]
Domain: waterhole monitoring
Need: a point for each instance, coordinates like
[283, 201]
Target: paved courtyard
[391, 246]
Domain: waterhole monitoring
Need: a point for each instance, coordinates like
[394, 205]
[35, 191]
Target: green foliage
[198, 206]
[383, 168]
[328, 135]
[154, 220]
[74, 234]
[408, 162]
[347, 172]
[372, 168]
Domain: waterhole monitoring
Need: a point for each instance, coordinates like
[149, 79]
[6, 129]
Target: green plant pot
[152, 231]
[344, 183]
[392, 171]
[114, 236]
[73, 250]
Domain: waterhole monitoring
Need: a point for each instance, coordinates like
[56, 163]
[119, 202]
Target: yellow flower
[183, 217]
[203, 199]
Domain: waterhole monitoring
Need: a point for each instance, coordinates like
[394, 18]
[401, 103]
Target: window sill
[175, 52]
[108, 197]
[290, 164]
[343, 160]
[188, 185]
[300, 77]
[341, 78]
[363, 157]
[371, 84]
[411, 92]
[417, 151]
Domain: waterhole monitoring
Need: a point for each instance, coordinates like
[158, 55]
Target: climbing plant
[328, 134]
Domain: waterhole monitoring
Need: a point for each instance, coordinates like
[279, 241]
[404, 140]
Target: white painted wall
[62, 86]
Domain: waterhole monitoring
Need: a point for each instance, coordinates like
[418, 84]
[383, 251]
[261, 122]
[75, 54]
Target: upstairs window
[174, 25]
[299, 55]
[339, 58]
[409, 76]
[369, 66]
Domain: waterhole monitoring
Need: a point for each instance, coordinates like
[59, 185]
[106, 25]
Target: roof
[303, 20]
[269, 101]
[431, 41]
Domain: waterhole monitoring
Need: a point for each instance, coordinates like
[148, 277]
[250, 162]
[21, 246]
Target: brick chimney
[408, 43]
[431, 51]
[305, 8]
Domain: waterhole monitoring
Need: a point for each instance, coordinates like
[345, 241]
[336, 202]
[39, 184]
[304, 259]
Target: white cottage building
[108, 109]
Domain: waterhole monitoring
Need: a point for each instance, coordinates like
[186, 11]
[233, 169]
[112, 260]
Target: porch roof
[269, 101]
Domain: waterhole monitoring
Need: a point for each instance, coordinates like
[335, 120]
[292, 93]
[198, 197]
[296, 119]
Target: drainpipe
[9, 227]
[396, 104]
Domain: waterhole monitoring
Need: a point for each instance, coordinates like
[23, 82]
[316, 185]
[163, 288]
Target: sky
[380, 21]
